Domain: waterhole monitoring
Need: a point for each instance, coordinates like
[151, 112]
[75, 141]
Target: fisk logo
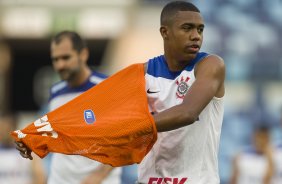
[167, 180]
[89, 116]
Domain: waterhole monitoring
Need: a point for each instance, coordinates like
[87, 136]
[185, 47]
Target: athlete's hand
[24, 150]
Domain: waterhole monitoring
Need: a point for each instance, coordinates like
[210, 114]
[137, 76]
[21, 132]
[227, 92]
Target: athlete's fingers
[25, 152]
[26, 155]
[20, 146]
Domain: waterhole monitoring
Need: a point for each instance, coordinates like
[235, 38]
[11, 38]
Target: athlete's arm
[209, 83]
[235, 172]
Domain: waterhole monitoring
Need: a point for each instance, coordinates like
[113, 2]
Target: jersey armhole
[145, 68]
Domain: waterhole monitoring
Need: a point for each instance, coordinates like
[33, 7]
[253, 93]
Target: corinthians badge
[182, 87]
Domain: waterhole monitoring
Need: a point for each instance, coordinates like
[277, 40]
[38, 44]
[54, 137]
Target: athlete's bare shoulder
[212, 63]
[215, 59]
[212, 69]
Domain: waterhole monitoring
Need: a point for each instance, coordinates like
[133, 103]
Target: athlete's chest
[163, 93]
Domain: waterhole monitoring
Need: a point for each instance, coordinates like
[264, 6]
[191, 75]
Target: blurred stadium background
[246, 33]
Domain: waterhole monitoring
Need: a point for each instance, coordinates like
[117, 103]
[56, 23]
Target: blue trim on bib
[158, 67]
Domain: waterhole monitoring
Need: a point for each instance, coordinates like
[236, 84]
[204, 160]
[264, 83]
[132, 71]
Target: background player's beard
[68, 75]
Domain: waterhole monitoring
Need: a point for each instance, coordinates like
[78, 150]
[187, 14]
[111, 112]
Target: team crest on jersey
[182, 87]
[89, 116]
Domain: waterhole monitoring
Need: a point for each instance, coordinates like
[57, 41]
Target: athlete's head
[182, 30]
[69, 55]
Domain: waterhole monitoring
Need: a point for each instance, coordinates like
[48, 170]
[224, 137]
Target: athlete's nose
[59, 64]
[195, 35]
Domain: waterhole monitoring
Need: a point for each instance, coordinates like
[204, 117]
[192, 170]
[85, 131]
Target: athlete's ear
[84, 54]
[164, 32]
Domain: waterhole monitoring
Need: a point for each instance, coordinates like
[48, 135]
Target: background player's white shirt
[278, 164]
[14, 169]
[72, 169]
[251, 167]
[189, 152]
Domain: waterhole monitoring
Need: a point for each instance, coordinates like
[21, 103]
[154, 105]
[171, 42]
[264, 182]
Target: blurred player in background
[278, 157]
[256, 164]
[15, 170]
[69, 55]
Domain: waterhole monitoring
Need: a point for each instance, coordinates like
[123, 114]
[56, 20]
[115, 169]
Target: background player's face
[185, 35]
[261, 140]
[66, 60]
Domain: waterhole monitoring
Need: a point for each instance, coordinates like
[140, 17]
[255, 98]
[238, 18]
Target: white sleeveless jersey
[251, 167]
[278, 164]
[72, 169]
[187, 155]
[14, 169]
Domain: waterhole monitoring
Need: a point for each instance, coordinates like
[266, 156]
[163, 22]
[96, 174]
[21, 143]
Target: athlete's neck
[81, 77]
[176, 65]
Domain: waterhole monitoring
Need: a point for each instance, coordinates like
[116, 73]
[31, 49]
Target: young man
[69, 55]
[256, 164]
[184, 87]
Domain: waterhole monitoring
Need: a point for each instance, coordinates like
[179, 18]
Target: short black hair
[173, 7]
[77, 42]
[262, 127]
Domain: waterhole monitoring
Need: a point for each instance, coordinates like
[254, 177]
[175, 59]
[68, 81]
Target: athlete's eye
[66, 57]
[187, 27]
[200, 30]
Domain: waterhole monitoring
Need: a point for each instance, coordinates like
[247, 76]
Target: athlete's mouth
[193, 48]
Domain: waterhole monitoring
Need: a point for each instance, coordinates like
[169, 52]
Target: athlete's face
[184, 36]
[66, 60]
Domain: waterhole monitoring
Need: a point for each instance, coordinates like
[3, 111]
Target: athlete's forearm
[173, 118]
